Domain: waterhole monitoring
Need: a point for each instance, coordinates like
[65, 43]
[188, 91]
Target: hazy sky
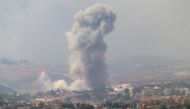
[35, 29]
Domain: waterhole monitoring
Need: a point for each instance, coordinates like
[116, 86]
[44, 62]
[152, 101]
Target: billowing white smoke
[48, 84]
[87, 46]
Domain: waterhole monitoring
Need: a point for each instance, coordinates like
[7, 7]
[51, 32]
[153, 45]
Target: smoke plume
[87, 51]
[87, 46]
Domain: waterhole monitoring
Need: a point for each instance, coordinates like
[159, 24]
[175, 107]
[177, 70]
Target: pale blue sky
[35, 29]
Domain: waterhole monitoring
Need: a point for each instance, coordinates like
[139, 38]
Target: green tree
[187, 106]
[163, 106]
[67, 105]
[86, 106]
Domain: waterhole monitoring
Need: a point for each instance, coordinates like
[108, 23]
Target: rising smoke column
[87, 46]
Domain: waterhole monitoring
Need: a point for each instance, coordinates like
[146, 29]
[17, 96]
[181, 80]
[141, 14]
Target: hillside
[6, 90]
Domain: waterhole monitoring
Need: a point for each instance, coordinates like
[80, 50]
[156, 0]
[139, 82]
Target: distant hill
[9, 61]
[146, 60]
[6, 90]
[22, 75]
[136, 64]
[143, 67]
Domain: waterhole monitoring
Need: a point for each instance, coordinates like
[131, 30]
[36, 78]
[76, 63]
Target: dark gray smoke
[87, 46]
